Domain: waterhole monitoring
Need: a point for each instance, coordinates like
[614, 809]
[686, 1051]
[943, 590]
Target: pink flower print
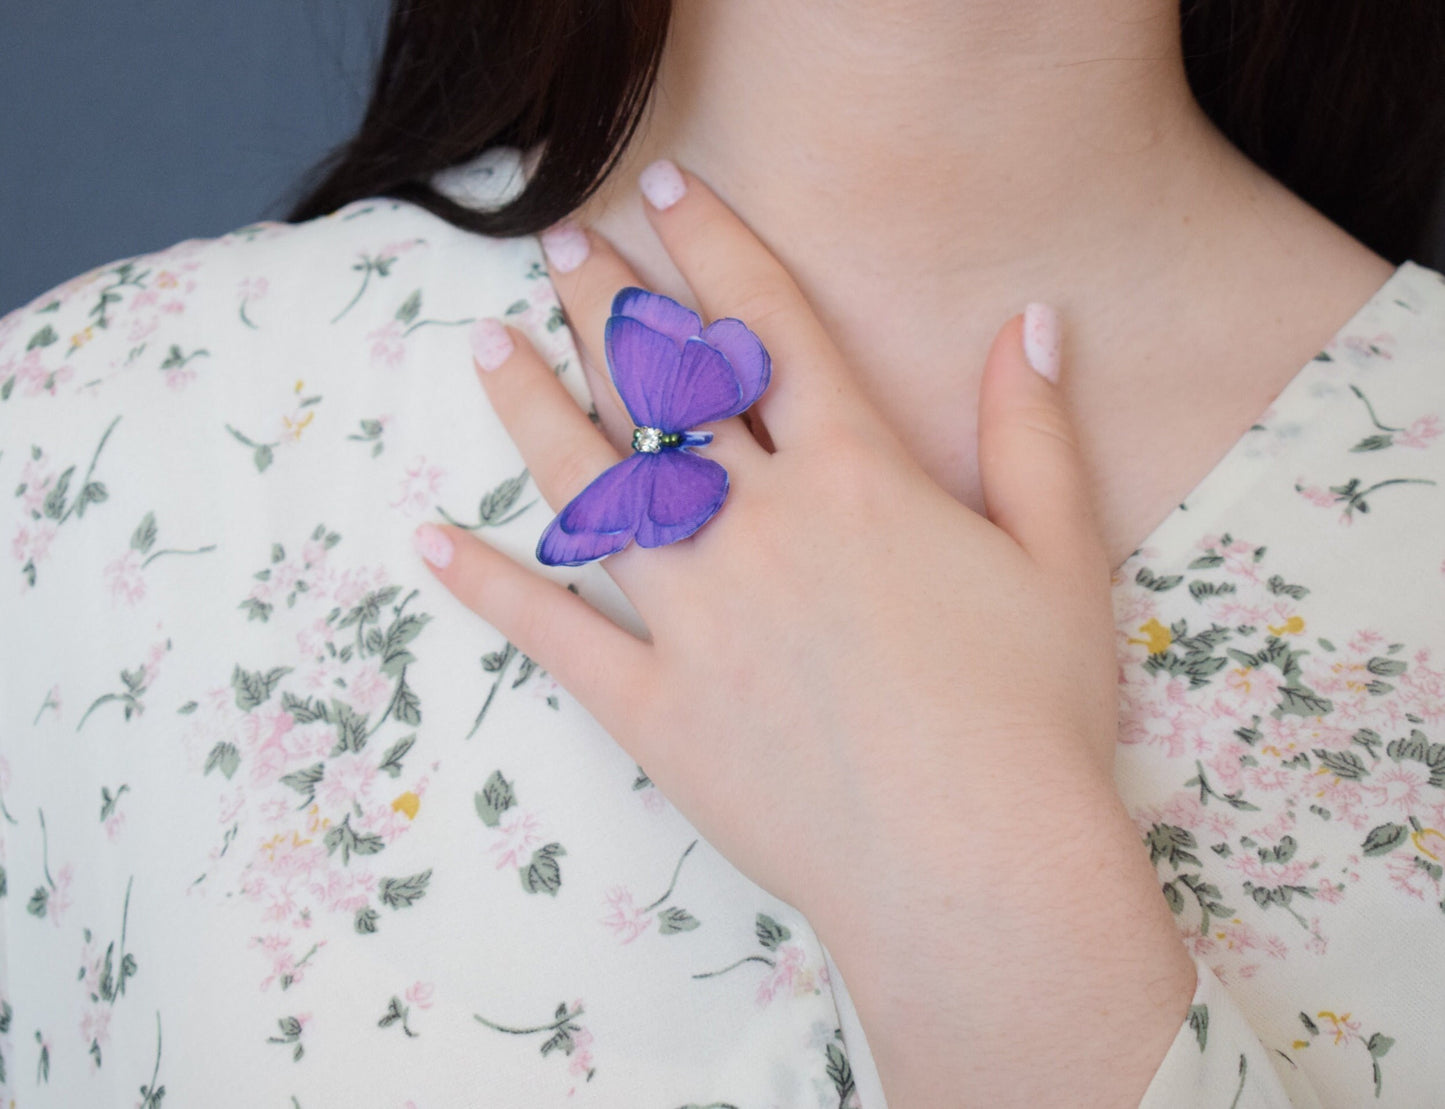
[1346, 1031]
[60, 896]
[313, 553]
[1381, 345]
[653, 801]
[1315, 494]
[113, 825]
[1420, 432]
[1164, 715]
[419, 488]
[344, 891]
[1269, 779]
[368, 689]
[36, 476]
[349, 778]
[285, 857]
[1316, 944]
[1408, 876]
[154, 657]
[311, 640]
[178, 377]
[144, 299]
[1329, 892]
[420, 994]
[95, 1028]
[34, 377]
[1396, 792]
[123, 579]
[1238, 555]
[520, 831]
[388, 347]
[787, 963]
[1253, 689]
[581, 1060]
[253, 288]
[623, 917]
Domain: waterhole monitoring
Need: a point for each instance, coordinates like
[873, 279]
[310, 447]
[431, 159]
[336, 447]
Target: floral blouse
[285, 825]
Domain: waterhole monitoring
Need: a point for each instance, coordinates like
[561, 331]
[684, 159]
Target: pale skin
[863, 617]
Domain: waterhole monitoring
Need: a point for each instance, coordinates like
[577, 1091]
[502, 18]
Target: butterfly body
[672, 374]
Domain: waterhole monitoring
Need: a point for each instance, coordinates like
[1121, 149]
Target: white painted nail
[662, 184]
[1041, 339]
[491, 345]
[433, 545]
[566, 246]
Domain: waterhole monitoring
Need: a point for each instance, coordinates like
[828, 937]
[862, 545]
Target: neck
[926, 167]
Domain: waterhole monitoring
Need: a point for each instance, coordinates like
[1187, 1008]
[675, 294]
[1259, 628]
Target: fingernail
[491, 345]
[1041, 339]
[662, 184]
[565, 245]
[433, 545]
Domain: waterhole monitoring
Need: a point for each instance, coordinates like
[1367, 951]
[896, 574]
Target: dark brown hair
[1343, 101]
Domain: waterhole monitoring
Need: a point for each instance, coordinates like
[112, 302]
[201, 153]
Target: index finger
[732, 273]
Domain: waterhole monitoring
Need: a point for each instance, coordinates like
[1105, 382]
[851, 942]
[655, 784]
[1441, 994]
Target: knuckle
[1048, 422]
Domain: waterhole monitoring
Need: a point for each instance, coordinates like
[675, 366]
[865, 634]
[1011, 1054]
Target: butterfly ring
[672, 375]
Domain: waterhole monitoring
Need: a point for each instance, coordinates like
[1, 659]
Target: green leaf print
[366, 918]
[1199, 1021]
[223, 757]
[673, 920]
[494, 799]
[1384, 839]
[351, 730]
[391, 761]
[144, 536]
[151, 1093]
[42, 338]
[396, 1013]
[1344, 764]
[838, 1070]
[305, 782]
[290, 1035]
[108, 801]
[543, 874]
[254, 688]
[770, 933]
[495, 508]
[349, 841]
[402, 893]
[1156, 582]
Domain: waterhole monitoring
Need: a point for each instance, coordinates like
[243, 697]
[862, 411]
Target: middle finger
[587, 273]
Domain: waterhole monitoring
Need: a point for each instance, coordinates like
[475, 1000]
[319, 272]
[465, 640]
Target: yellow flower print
[1345, 1029]
[1159, 637]
[293, 428]
[1293, 626]
[1434, 838]
[408, 803]
[277, 840]
[314, 822]
[166, 280]
[81, 337]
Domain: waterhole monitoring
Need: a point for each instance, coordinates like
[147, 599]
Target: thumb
[1034, 483]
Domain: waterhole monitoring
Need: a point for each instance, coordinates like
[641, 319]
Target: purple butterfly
[672, 374]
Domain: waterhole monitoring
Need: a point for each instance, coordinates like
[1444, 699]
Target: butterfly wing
[686, 492]
[603, 518]
[674, 374]
[749, 359]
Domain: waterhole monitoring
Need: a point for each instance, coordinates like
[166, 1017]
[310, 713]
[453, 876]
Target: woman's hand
[885, 709]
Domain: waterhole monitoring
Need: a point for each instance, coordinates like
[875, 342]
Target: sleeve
[1218, 1061]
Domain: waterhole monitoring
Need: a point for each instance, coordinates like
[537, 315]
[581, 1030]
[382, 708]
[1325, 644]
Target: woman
[377, 828]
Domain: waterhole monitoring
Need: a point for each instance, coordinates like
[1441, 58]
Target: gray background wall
[127, 125]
